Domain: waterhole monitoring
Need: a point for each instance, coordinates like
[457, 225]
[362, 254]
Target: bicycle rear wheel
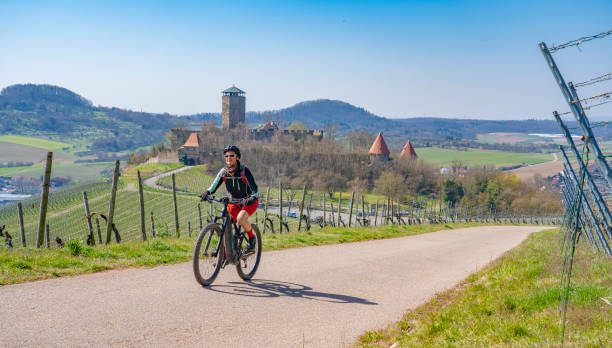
[248, 263]
[208, 254]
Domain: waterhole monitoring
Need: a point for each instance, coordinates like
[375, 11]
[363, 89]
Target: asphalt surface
[323, 296]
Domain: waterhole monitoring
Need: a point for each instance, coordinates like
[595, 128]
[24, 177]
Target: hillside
[50, 110]
[45, 110]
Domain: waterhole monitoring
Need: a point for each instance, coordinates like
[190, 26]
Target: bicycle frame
[229, 242]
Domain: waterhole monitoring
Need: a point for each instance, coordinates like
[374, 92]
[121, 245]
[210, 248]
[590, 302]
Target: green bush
[75, 247]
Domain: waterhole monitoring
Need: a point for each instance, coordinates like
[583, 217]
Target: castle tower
[232, 103]
[408, 151]
[379, 150]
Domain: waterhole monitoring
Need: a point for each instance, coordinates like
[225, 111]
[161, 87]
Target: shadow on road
[274, 288]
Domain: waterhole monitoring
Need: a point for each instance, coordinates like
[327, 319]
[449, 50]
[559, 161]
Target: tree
[298, 126]
[390, 184]
[358, 185]
[360, 140]
[452, 191]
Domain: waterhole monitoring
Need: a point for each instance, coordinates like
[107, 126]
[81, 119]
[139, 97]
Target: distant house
[267, 130]
[191, 148]
[379, 150]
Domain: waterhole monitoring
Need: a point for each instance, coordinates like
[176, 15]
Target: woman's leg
[243, 220]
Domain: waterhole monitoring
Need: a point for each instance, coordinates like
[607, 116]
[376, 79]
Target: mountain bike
[223, 242]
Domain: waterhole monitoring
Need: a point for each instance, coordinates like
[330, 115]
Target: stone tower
[232, 101]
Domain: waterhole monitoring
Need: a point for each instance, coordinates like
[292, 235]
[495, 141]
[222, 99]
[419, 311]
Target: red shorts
[235, 209]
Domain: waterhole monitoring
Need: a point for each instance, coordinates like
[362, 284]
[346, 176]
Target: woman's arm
[251, 182]
[217, 182]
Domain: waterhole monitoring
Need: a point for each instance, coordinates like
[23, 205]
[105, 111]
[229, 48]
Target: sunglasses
[230, 156]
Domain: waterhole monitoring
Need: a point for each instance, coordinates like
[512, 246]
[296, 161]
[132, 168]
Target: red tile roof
[408, 150]
[193, 140]
[379, 147]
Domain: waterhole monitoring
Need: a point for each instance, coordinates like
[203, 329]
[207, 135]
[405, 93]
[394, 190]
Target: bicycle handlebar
[223, 200]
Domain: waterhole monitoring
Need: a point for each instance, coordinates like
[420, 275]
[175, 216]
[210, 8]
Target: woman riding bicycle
[241, 186]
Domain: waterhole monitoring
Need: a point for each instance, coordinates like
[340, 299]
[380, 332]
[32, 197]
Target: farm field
[475, 157]
[14, 152]
[45, 144]
[518, 138]
[79, 172]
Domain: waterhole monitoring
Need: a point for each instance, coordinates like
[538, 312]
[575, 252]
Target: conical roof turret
[408, 151]
[379, 147]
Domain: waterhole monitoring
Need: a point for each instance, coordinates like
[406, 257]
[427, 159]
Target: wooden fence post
[89, 225]
[200, 215]
[210, 211]
[363, 218]
[111, 207]
[339, 205]
[324, 211]
[280, 204]
[176, 219]
[99, 231]
[42, 217]
[143, 230]
[47, 236]
[309, 210]
[301, 209]
[152, 225]
[376, 213]
[351, 208]
[265, 219]
[21, 227]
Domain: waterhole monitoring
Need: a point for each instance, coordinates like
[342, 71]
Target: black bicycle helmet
[232, 148]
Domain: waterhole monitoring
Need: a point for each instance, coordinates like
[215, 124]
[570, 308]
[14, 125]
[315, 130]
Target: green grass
[41, 143]
[193, 180]
[514, 302]
[27, 264]
[473, 157]
[151, 169]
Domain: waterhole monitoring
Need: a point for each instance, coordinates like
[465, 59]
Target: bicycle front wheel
[248, 262]
[208, 254]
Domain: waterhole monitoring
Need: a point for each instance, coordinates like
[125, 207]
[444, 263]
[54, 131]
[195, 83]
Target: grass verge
[27, 264]
[514, 302]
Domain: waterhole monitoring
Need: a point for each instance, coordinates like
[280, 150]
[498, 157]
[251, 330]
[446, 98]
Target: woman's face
[230, 158]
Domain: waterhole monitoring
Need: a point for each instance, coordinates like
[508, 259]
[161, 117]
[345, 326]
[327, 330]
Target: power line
[594, 80]
[579, 41]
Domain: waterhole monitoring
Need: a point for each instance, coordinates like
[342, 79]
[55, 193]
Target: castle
[233, 113]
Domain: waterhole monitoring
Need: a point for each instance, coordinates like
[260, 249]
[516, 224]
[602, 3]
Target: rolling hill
[52, 111]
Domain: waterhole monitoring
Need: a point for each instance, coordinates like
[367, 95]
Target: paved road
[315, 297]
[152, 181]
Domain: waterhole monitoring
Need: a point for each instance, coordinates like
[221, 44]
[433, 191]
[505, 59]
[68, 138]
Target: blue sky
[397, 59]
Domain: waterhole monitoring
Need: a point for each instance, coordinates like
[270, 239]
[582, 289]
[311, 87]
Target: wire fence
[587, 180]
[81, 212]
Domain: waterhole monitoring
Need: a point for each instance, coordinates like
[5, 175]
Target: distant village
[17, 188]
